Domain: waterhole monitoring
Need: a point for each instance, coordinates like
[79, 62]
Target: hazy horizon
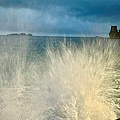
[52, 34]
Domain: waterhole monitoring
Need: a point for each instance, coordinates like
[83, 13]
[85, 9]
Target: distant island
[114, 33]
[21, 34]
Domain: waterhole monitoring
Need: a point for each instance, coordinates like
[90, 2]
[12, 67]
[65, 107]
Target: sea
[59, 78]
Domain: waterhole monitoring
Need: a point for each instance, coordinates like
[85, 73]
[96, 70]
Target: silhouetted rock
[14, 34]
[23, 34]
[114, 33]
[30, 34]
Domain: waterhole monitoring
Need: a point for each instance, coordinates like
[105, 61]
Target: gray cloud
[98, 9]
[47, 22]
[59, 17]
[75, 8]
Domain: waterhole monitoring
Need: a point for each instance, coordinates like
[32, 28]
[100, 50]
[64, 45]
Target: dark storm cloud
[99, 9]
[59, 16]
[36, 4]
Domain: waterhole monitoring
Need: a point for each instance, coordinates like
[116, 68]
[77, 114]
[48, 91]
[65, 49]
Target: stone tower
[114, 33]
[113, 29]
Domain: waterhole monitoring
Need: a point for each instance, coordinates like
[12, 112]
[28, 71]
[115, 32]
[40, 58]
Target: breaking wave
[69, 83]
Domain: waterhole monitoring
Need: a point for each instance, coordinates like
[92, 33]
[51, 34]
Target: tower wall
[113, 28]
[114, 33]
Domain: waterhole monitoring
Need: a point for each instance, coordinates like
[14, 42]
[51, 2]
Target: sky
[59, 17]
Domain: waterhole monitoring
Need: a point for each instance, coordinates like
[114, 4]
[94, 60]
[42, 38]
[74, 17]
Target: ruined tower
[114, 33]
[113, 28]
